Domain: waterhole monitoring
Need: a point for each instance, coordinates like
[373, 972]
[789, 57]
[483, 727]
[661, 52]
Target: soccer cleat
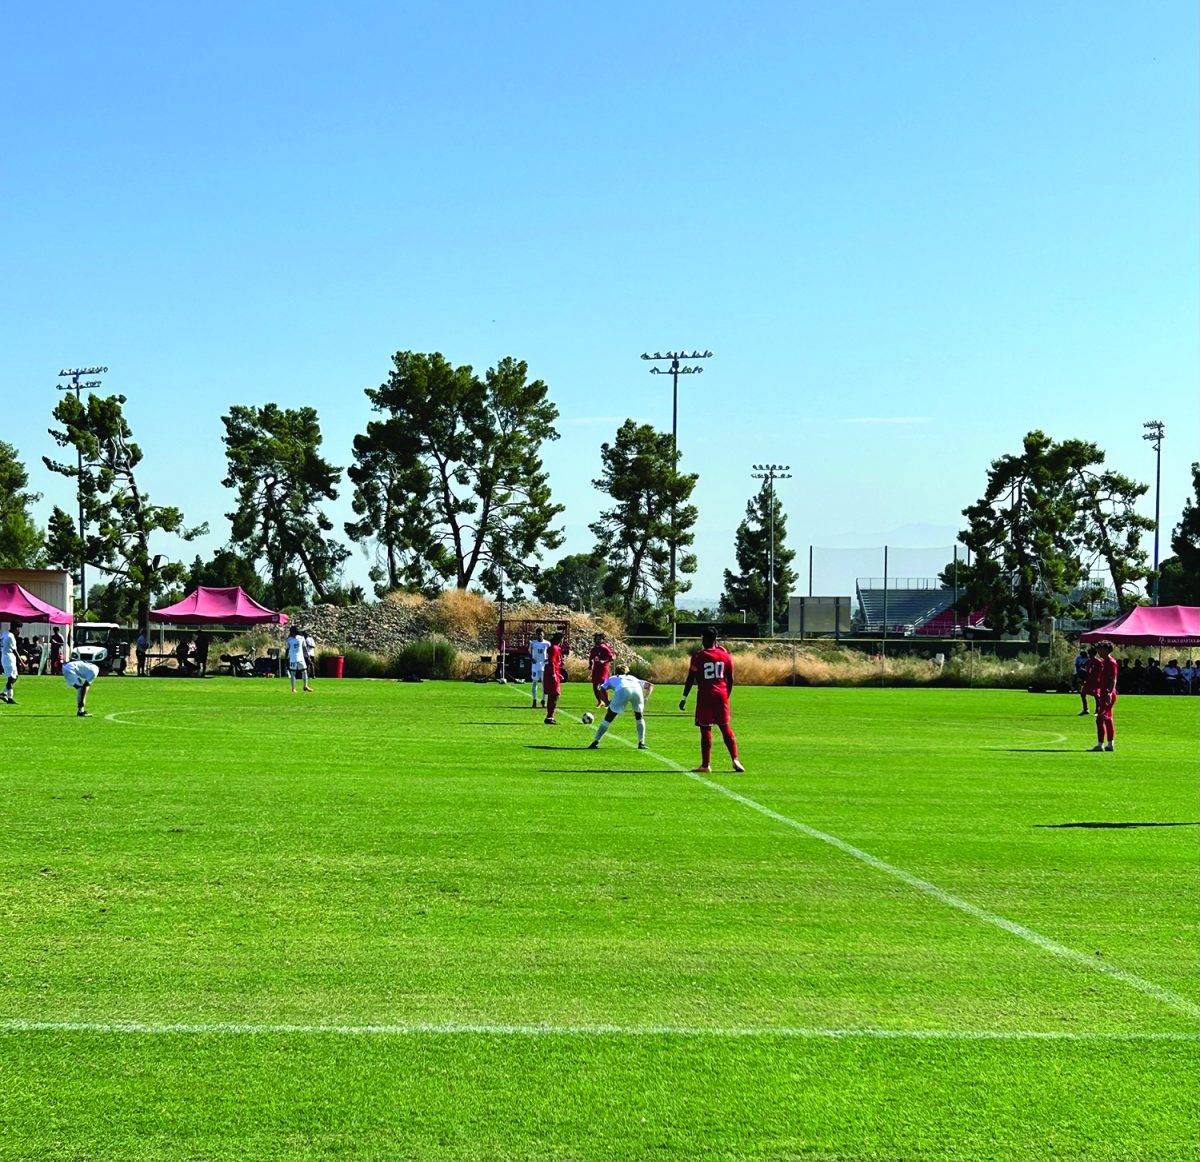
[737, 766]
[642, 746]
[81, 714]
[533, 705]
[1109, 747]
[701, 770]
[1097, 747]
[551, 722]
[593, 745]
[1085, 714]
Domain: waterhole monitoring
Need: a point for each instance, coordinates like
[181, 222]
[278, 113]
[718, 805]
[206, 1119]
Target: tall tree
[576, 580]
[118, 517]
[391, 493]
[1020, 534]
[1043, 510]
[1179, 576]
[22, 542]
[1108, 526]
[274, 463]
[225, 569]
[749, 588]
[450, 482]
[634, 537]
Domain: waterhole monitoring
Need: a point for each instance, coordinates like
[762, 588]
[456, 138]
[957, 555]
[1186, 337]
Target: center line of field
[156, 1028]
[1158, 992]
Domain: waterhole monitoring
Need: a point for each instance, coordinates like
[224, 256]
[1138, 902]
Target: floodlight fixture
[74, 374]
[675, 370]
[1155, 430]
[770, 473]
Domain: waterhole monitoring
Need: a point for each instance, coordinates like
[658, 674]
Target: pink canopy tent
[207, 606]
[18, 604]
[1149, 625]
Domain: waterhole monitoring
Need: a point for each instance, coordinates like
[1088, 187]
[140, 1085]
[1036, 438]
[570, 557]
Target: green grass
[394, 921]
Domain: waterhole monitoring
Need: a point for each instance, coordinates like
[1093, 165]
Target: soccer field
[392, 921]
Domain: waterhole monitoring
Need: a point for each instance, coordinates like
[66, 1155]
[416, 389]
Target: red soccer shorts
[711, 709]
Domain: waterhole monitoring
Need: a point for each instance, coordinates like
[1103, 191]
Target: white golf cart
[103, 644]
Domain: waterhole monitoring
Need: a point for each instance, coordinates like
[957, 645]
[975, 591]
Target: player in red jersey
[1105, 694]
[711, 672]
[1091, 672]
[552, 676]
[598, 660]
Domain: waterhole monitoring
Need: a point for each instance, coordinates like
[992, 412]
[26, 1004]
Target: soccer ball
[588, 718]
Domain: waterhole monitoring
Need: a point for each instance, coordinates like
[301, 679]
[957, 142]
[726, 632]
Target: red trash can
[331, 665]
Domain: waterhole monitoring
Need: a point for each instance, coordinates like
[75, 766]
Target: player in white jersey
[80, 675]
[624, 690]
[10, 661]
[297, 651]
[539, 647]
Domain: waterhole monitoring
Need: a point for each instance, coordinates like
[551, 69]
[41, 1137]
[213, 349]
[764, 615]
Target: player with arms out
[552, 677]
[598, 662]
[1105, 694]
[620, 691]
[539, 647]
[711, 672]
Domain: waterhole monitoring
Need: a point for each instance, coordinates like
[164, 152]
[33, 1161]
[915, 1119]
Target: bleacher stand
[910, 607]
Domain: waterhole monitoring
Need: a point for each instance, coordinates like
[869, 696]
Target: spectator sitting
[183, 655]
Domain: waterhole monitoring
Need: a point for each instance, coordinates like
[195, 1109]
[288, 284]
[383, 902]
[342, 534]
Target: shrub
[363, 664]
[428, 658]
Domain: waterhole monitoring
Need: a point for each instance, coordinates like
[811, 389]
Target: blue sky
[910, 232]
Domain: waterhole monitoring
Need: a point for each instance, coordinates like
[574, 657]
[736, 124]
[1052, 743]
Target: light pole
[78, 388]
[1154, 433]
[770, 473]
[675, 371]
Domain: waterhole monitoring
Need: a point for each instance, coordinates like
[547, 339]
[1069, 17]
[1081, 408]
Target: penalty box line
[1149, 988]
[418, 1029]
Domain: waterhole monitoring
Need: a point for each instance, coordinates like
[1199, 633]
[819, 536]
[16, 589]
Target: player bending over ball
[552, 676]
[620, 691]
[1105, 694]
[598, 662]
[80, 675]
[711, 672]
[539, 647]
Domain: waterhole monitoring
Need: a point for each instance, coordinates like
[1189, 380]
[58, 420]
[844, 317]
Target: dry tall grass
[459, 613]
[405, 599]
[776, 665]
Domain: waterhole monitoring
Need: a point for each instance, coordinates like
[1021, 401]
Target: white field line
[1158, 992]
[150, 1028]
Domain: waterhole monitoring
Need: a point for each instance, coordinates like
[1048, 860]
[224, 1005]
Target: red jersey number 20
[714, 671]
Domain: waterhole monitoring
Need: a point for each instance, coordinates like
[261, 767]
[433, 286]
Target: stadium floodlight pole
[1154, 433]
[770, 473]
[73, 374]
[675, 371]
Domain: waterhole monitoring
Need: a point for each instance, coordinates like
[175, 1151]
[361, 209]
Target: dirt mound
[467, 621]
